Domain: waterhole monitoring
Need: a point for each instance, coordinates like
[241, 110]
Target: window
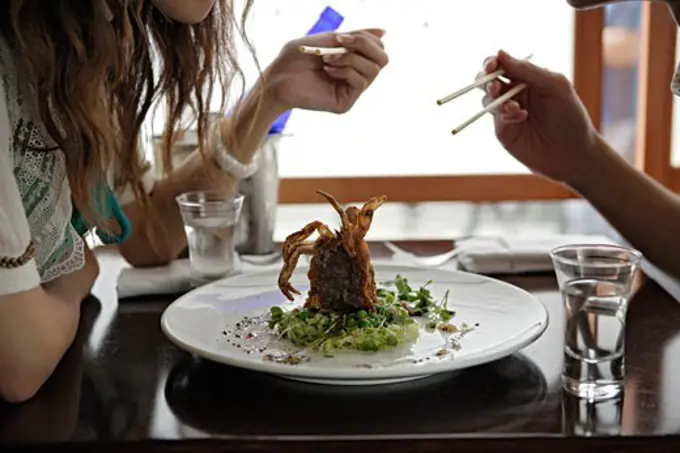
[675, 137]
[621, 56]
[396, 140]
[655, 100]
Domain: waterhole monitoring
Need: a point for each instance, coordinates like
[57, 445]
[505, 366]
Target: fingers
[367, 68]
[365, 44]
[374, 33]
[490, 65]
[377, 32]
[359, 67]
[510, 112]
[526, 72]
[349, 75]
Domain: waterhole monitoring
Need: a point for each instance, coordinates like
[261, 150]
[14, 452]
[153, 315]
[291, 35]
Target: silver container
[255, 230]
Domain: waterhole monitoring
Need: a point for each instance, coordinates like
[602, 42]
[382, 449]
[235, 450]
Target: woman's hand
[332, 83]
[546, 126]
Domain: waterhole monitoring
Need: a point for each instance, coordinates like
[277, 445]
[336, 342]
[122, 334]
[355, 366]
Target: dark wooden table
[124, 387]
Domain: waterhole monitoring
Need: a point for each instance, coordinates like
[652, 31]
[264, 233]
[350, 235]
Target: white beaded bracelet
[226, 161]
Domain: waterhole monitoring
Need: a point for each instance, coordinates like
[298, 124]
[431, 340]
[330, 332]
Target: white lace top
[35, 199]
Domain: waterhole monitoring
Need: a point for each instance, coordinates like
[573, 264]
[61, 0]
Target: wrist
[273, 84]
[243, 132]
[261, 106]
[268, 87]
[593, 170]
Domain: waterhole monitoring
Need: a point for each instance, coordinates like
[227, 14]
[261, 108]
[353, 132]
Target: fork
[422, 261]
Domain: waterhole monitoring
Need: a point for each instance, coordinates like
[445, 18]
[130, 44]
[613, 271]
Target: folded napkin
[175, 278]
[516, 255]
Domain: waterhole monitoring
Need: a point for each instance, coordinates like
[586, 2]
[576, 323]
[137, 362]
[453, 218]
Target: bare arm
[245, 135]
[37, 326]
[645, 213]
[37, 323]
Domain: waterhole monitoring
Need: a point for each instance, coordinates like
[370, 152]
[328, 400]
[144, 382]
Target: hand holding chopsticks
[480, 83]
[546, 127]
[341, 66]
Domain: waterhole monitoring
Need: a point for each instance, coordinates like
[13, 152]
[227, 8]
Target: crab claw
[366, 213]
[373, 204]
[288, 290]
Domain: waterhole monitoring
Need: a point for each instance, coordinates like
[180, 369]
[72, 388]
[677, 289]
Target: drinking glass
[209, 222]
[581, 417]
[595, 282]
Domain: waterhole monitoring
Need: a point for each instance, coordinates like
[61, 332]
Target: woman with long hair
[78, 80]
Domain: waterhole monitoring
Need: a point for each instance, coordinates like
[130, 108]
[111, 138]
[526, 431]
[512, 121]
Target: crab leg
[347, 227]
[306, 231]
[289, 264]
[293, 247]
[331, 199]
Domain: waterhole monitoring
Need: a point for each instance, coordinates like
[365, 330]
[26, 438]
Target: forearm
[31, 347]
[243, 134]
[37, 327]
[644, 212]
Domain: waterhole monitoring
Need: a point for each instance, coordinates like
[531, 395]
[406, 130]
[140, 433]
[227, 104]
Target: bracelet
[18, 261]
[226, 161]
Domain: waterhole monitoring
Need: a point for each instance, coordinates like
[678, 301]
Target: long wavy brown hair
[97, 72]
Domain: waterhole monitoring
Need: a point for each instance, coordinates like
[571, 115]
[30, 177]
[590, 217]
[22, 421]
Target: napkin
[516, 254]
[175, 278]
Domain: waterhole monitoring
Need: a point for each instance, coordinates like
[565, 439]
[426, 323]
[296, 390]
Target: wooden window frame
[588, 27]
[655, 100]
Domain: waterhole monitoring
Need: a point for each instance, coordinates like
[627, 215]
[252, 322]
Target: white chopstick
[321, 51]
[476, 84]
[491, 107]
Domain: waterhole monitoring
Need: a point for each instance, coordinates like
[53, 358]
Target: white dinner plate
[505, 320]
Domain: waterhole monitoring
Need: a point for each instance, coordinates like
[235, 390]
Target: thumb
[525, 71]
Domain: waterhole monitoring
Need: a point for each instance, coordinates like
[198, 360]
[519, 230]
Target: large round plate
[507, 319]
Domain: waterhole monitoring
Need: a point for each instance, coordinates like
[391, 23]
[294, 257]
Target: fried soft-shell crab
[340, 273]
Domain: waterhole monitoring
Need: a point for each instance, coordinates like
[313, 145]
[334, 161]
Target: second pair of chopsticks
[479, 83]
[321, 51]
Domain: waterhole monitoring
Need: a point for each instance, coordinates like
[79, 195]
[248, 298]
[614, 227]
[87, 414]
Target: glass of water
[209, 222]
[596, 283]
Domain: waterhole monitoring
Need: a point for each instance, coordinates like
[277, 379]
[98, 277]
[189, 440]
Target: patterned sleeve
[18, 270]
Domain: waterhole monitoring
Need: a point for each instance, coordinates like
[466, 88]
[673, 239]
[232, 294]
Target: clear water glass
[581, 417]
[210, 219]
[595, 282]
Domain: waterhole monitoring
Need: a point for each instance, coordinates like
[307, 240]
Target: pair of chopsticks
[321, 51]
[489, 108]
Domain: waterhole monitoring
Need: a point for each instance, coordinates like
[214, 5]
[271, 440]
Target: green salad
[393, 322]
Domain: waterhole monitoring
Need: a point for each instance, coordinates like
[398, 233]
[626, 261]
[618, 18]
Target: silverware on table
[400, 254]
